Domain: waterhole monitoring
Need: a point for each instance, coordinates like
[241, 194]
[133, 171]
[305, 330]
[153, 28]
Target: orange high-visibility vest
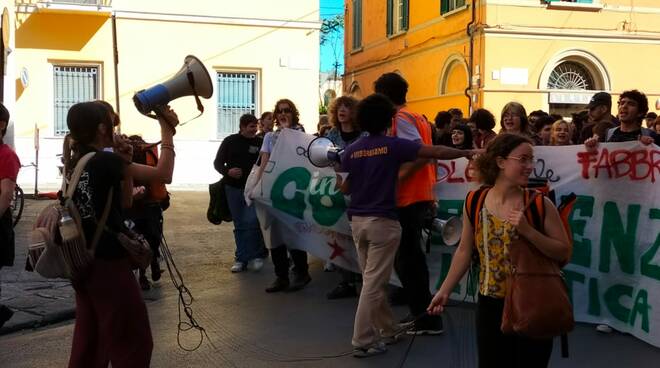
[419, 186]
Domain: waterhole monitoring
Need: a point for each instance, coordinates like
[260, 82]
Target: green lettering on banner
[594, 298]
[642, 307]
[622, 239]
[584, 206]
[569, 278]
[647, 268]
[296, 205]
[612, 301]
[327, 215]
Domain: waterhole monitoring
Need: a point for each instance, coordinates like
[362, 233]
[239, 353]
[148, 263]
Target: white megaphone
[191, 80]
[450, 229]
[321, 152]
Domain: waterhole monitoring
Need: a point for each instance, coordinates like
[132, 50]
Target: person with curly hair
[504, 167]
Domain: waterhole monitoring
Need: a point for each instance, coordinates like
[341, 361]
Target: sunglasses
[284, 111]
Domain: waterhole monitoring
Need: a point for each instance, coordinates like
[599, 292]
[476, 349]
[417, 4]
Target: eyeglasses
[524, 160]
[284, 111]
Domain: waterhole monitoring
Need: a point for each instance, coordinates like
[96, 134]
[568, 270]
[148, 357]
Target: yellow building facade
[546, 54]
[62, 52]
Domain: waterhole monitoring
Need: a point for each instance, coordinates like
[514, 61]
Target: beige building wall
[525, 41]
[279, 43]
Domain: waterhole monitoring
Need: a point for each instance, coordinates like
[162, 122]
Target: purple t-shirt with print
[372, 164]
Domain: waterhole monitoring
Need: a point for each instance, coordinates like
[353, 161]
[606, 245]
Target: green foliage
[323, 109]
[331, 25]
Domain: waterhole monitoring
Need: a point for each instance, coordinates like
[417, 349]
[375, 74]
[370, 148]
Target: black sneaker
[407, 319]
[5, 314]
[155, 269]
[343, 290]
[144, 283]
[427, 326]
[280, 284]
[299, 282]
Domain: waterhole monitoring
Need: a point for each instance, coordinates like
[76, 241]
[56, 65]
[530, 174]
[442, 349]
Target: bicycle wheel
[17, 204]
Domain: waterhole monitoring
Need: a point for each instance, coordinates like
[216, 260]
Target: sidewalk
[36, 301]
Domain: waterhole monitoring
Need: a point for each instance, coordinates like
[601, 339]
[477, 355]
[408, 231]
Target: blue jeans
[247, 233]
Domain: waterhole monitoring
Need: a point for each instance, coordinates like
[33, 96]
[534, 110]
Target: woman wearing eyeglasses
[505, 167]
[514, 120]
[286, 116]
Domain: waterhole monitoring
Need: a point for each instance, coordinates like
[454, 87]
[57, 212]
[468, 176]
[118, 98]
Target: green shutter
[390, 12]
[444, 6]
[406, 4]
[357, 24]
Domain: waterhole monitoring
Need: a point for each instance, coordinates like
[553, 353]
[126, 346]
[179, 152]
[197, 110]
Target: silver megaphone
[321, 152]
[450, 229]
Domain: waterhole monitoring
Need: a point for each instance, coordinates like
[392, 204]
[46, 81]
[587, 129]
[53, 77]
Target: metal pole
[115, 53]
[36, 161]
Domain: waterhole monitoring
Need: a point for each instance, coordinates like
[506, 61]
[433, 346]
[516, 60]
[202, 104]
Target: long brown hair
[83, 120]
[294, 112]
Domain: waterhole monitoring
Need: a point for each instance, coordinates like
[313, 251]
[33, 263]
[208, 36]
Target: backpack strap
[473, 204]
[535, 212]
[75, 177]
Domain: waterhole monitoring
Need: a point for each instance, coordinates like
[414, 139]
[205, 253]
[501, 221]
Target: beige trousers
[376, 240]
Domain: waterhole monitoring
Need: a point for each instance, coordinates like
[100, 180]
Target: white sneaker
[604, 328]
[329, 267]
[256, 264]
[238, 267]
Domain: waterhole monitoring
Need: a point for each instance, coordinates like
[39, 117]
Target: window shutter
[406, 11]
[444, 6]
[390, 12]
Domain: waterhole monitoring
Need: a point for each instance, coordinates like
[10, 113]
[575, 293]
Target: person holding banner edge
[286, 116]
[505, 167]
[373, 164]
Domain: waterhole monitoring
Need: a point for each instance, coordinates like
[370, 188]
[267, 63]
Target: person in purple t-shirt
[372, 164]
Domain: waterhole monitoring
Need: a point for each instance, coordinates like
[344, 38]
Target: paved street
[249, 328]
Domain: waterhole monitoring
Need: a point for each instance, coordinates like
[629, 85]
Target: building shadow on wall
[57, 31]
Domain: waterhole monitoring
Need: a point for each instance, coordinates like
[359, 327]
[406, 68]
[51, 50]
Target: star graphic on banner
[337, 251]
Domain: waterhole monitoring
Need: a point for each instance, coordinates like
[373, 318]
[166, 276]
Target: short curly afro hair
[374, 113]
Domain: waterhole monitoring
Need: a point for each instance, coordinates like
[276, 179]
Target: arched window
[454, 76]
[571, 75]
[355, 90]
[575, 70]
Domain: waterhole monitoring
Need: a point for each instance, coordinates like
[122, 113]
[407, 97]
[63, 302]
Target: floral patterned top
[492, 239]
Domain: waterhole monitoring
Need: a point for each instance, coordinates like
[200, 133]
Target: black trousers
[149, 223]
[498, 350]
[410, 261]
[281, 261]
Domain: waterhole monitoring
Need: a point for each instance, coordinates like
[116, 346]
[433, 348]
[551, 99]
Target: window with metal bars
[72, 84]
[237, 95]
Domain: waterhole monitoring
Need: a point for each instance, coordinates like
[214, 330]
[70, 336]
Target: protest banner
[614, 274]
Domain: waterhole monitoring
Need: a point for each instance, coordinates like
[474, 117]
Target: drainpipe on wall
[115, 54]
[470, 32]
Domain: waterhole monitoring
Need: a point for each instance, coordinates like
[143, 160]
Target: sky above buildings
[333, 51]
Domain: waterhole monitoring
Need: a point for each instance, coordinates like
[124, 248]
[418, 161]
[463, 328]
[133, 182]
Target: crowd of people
[392, 192]
[389, 154]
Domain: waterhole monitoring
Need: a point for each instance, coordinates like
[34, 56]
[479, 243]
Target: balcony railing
[46, 3]
[27, 6]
